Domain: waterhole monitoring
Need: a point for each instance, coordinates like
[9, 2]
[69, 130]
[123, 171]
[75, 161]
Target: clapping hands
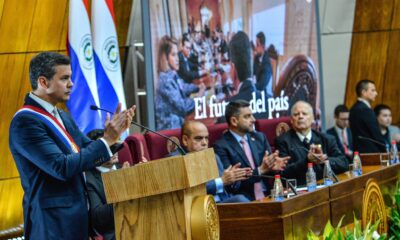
[273, 162]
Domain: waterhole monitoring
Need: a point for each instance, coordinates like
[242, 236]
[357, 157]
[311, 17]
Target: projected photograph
[206, 53]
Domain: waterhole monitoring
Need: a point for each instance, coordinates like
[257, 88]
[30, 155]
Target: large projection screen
[196, 78]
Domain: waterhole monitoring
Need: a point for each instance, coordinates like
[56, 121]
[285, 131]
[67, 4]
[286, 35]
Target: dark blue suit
[188, 71]
[332, 131]
[231, 153]
[363, 123]
[263, 71]
[246, 93]
[54, 203]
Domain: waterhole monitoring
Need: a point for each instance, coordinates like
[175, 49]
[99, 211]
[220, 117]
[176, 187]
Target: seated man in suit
[384, 115]
[188, 70]
[241, 144]
[305, 145]
[101, 213]
[341, 131]
[240, 55]
[195, 138]
[262, 68]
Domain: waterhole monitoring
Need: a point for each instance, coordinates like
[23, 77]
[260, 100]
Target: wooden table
[294, 217]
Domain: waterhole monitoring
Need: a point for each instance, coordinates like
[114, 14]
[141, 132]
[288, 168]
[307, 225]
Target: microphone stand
[374, 141]
[180, 149]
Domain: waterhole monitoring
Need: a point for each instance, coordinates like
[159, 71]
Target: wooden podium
[164, 199]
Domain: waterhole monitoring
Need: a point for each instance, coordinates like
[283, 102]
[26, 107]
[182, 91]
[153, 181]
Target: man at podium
[195, 138]
[51, 153]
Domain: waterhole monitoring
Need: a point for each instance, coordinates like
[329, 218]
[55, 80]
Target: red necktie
[258, 192]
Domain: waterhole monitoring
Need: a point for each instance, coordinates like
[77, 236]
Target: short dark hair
[233, 109]
[261, 38]
[339, 109]
[185, 38]
[95, 134]
[239, 50]
[378, 108]
[44, 65]
[363, 85]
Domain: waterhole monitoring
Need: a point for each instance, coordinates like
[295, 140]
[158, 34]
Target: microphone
[314, 155]
[284, 179]
[372, 140]
[180, 149]
[95, 108]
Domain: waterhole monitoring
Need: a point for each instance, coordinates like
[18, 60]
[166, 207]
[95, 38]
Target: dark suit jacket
[332, 131]
[363, 123]
[188, 71]
[289, 144]
[101, 213]
[54, 203]
[231, 152]
[246, 93]
[263, 71]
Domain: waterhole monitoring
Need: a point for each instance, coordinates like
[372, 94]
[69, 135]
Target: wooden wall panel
[47, 25]
[64, 33]
[367, 60]
[122, 10]
[14, 79]
[372, 15]
[396, 15]
[1, 8]
[14, 29]
[375, 51]
[391, 87]
[10, 203]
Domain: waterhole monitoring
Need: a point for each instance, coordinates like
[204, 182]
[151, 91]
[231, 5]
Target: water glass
[350, 172]
[385, 159]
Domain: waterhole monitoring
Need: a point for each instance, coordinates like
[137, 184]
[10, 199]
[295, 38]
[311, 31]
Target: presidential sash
[52, 122]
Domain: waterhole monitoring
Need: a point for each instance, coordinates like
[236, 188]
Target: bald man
[195, 138]
[305, 145]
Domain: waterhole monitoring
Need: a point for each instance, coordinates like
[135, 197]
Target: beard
[245, 129]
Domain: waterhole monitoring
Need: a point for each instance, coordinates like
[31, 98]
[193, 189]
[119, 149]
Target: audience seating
[152, 146]
[158, 146]
[215, 132]
[136, 143]
[272, 128]
[124, 155]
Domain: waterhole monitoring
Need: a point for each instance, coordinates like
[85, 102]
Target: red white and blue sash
[52, 122]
